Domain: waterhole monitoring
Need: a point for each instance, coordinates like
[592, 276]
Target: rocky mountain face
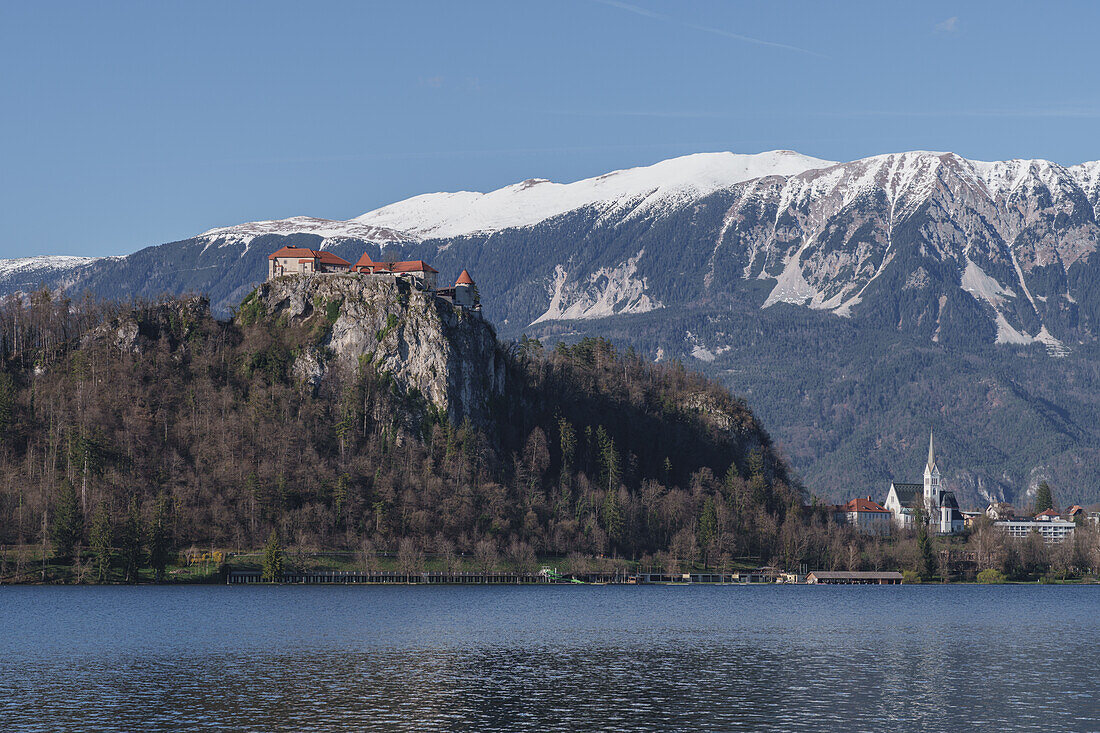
[429, 348]
[762, 270]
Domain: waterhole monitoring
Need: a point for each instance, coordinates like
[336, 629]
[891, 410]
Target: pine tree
[926, 560]
[568, 446]
[610, 467]
[68, 522]
[1044, 498]
[131, 541]
[708, 528]
[340, 499]
[7, 403]
[613, 517]
[273, 559]
[101, 537]
[160, 540]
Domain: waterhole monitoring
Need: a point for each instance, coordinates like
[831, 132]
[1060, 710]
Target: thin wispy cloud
[1052, 113]
[645, 12]
[669, 114]
[632, 9]
[951, 25]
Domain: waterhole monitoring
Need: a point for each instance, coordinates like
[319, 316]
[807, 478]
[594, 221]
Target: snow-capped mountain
[25, 274]
[619, 194]
[825, 236]
[791, 278]
[1017, 237]
[327, 229]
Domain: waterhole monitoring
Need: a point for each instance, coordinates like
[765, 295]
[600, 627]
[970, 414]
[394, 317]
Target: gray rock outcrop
[427, 346]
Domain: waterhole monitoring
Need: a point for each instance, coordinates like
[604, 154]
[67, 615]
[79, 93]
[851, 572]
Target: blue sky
[130, 124]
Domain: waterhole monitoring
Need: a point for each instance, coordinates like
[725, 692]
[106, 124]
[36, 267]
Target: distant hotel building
[1048, 524]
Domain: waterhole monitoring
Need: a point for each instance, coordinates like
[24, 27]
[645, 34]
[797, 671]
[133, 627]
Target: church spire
[931, 452]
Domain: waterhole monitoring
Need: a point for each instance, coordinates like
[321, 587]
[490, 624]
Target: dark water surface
[1007, 658]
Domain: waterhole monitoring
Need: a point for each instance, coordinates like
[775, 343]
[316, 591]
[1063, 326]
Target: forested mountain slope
[339, 411]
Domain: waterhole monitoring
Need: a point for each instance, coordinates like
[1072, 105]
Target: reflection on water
[548, 658]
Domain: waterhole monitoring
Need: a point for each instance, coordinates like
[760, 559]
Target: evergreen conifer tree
[273, 559]
[1044, 498]
[101, 537]
[613, 517]
[926, 560]
[708, 528]
[68, 522]
[7, 403]
[160, 540]
[132, 540]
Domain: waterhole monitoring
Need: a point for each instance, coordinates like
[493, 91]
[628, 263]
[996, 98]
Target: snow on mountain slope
[670, 182]
[834, 233]
[1088, 176]
[24, 274]
[606, 292]
[27, 266]
[327, 228]
[895, 228]
[441, 215]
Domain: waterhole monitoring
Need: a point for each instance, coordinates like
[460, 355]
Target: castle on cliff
[303, 261]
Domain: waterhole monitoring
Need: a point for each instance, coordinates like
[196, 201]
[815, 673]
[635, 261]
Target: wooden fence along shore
[546, 575]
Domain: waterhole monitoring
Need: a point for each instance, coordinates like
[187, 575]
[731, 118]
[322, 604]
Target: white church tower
[933, 488]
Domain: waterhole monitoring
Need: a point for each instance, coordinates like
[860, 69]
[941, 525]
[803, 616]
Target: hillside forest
[115, 459]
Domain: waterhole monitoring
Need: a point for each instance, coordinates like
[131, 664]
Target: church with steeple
[941, 508]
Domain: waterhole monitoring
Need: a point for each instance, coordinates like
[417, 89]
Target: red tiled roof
[412, 266]
[1048, 513]
[366, 263]
[864, 505]
[289, 252]
[464, 279]
[304, 254]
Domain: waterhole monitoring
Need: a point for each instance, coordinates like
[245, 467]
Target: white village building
[940, 506]
[1047, 524]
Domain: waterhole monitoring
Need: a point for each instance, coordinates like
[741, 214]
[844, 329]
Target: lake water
[556, 658]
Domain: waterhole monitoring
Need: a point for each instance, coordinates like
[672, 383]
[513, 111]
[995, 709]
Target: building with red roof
[463, 293]
[868, 516]
[303, 261]
[417, 271]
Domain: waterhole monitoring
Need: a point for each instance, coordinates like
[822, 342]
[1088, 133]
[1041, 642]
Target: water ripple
[547, 659]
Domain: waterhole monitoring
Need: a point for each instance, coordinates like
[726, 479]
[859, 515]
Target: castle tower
[465, 291]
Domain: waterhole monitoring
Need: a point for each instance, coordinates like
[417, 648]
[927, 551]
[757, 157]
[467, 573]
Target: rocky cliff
[427, 347]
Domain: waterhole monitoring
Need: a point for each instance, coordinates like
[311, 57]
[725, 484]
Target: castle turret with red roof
[466, 294]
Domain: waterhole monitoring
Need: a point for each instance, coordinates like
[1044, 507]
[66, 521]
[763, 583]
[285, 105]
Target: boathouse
[834, 577]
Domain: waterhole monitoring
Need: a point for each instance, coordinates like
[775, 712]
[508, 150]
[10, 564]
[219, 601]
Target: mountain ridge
[954, 264]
